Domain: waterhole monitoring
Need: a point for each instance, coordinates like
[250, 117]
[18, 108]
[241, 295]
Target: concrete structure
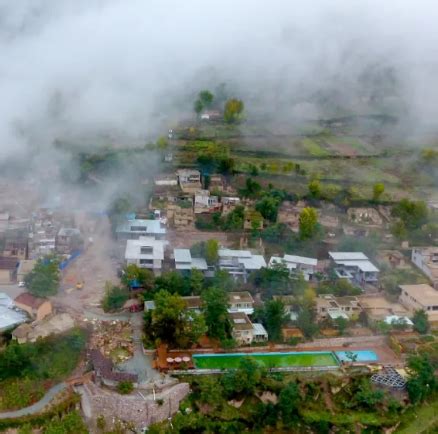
[16, 247]
[426, 259]
[8, 269]
[185, 262]
[289, 214]
[204, 203]
[40, 329]
[354, 266]
[259, 333]
[10, 317]
[189, 180]
[166, 180]
[146, 252]
[229, 203]
[329, 306]
[180, 214]
[25, 267]
[240, 263]
[134, 229]
[68, 240]
[37, 308]
[365, 216]
[296, 264]
[420, 297]
[243, 330]
[241, 302]
[378, 307]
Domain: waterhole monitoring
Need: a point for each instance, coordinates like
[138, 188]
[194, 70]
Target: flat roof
[365, 266]
[348, 256]
[300, 260]
[234, 253]
[151, 226]
[133, 248]
[422, 292]
[182, 255]
[242, 296]
[255, 262]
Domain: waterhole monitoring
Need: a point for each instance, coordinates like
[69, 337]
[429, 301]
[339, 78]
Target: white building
[185, 262]
[354, 266]
[133, 229]
[146, 252]
[241, 302]
[426, 259]
[296, 264]
[205, 203]
[240, 263]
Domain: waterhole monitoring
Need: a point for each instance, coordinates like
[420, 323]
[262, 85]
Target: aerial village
[226, 289]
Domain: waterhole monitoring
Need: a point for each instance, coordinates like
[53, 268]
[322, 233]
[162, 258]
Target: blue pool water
[362, 356]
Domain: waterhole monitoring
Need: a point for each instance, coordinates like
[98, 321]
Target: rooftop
[141, 226]
[133, 248]
[240, 297]
[184, 260]
[240, 321]
[10, 317]
[424, 293]
[30, 300]
[348, 256]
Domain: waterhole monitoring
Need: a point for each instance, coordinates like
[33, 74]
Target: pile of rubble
[113, 339]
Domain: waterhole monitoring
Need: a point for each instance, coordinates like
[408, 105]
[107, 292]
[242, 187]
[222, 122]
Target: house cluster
[177, 198]
[240, 309]
[26, 240]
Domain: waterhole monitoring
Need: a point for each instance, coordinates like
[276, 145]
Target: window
[139, 228]
[146, 261]
[146, 250]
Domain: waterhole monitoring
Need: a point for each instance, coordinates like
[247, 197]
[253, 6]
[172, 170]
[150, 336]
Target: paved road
[38, 406]
[140, 363]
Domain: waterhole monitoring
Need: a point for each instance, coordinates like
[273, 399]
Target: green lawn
[275, 360]
[420, 420]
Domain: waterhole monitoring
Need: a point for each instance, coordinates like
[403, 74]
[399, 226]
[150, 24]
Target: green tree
[210, 391]
[43, 280]
[378, 190]
[421, 321]
[71, 423]
[162, 143]
[133, 274]
[215, 308]
[224, 280]
[398, 229]
[196, 281]
[173, 282]
[211, 251]
[172, 323]
[268, 207]
[288, 402]
[306, 323]
[198, 106]
[315, 189]
[243, 380]
[413, 214]
[341, 324]
[308, 223]
[125, 387]
[367, 397]
[275, 318]
[422, 381]
[206, 97]
[233, 111]
[114, 298]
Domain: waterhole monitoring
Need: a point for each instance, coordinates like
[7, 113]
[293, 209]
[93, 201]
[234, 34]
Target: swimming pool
[360, 356]
[268, 360]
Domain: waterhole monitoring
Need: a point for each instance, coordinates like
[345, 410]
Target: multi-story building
[296, 264]
[420, 297]
[146, 252]
[354, 266]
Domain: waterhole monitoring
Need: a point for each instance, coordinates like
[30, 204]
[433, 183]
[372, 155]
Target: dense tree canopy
[215, 305]
[44, 279]
[233, 110]
[308, 223]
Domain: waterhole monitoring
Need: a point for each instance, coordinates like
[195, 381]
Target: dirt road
[94, 267]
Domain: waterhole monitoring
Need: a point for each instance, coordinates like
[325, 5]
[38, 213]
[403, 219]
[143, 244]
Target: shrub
[125, 387]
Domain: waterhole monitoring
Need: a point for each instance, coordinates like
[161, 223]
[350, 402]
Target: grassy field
[421, 420]
[276, 360]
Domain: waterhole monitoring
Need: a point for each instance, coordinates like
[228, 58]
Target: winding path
[38, 406]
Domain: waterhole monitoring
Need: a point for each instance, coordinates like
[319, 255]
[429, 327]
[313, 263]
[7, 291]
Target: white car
[21, 284]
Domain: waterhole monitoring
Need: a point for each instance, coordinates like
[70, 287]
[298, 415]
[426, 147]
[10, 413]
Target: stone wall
[133, 408]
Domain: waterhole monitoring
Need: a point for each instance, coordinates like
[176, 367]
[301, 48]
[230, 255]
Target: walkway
[140, 363]
[38, 406]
